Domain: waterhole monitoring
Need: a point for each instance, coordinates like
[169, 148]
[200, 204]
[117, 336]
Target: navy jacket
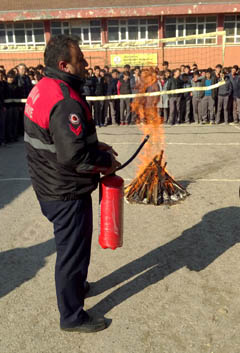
[225, 90]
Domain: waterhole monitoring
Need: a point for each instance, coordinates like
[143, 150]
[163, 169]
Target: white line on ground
[15, 179]
[237, 127]
[206, 180]
[182, 143]
[221, 180]
[126, 179]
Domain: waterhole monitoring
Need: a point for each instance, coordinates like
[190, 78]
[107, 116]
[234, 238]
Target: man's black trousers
[72, 222]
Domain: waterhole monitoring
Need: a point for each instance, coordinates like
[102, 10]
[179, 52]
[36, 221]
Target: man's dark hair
[127, 67]
[187, 67]
[218, 66]
[96, 67]
[57, 49]
[165, 63]
[196, 73]
[235, 67]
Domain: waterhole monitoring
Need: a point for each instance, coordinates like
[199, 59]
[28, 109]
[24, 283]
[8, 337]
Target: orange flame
[148, 119]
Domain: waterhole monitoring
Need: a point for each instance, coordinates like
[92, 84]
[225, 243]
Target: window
[88, 32]
[232, 28]
[190, 25]
[132, 29]
[22, 33]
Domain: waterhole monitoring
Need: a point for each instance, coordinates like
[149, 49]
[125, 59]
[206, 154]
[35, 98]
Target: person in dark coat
[65, 160]
[2, 110]
[124, 87]
[235, 99]
[99, 84]
[112, 105]
[224, 94]
[12, 92]
[174, 99]
[186, 100]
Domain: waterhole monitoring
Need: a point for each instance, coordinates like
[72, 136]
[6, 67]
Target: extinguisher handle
[135, 154]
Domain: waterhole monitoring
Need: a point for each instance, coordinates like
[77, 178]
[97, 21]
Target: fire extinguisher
[111, 196]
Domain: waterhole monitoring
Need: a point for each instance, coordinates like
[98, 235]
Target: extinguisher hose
[135, 154]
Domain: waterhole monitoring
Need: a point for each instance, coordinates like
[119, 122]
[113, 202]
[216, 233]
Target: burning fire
[152, 184]
[148, 118]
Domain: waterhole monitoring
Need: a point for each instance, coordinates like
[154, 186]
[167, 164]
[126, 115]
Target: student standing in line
[163, 109]
[174, 99]
[125, 107]
[208, 98]
[224, 92]
[99, 91]
[186, 100]
[196, 98]
[235, 100]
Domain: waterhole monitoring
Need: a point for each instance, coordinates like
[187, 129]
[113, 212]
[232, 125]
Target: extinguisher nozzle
[135, 154]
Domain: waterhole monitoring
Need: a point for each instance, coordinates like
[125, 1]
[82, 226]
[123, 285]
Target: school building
[118, 32]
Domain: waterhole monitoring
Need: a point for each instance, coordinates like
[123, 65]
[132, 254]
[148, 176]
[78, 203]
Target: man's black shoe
[90, 324]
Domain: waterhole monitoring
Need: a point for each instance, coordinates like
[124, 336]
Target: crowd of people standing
[15, 84]
[213, 106]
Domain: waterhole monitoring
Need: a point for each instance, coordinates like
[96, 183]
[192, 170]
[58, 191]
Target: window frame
[12, 27]
[129, 23]
[201, 23]
[84, 27]
[236, 22]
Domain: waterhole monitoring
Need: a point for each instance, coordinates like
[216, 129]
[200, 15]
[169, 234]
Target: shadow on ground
[21, 264]
[196, 248]
[14, 178]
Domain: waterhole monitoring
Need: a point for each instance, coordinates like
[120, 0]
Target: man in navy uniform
[65, 160]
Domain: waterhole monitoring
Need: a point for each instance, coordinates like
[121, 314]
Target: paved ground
[172, 288]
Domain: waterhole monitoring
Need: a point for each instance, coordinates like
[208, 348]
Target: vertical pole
[47, 31]
[221, 39]
[161, 36]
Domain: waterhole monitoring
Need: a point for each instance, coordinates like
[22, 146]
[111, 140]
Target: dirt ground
[174, 285]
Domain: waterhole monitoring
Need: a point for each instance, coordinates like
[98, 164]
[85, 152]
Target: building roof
[12, 10]
[27, 5]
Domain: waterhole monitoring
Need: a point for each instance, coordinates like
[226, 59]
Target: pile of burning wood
[154, 185]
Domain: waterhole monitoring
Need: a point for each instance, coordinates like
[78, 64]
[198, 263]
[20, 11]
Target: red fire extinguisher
[111, 197]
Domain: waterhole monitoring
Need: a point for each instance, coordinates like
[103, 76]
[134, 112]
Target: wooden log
[155, 194]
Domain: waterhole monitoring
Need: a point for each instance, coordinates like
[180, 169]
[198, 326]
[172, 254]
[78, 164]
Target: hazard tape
[132, 44]
[139, 95]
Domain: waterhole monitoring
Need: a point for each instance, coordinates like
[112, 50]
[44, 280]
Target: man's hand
[107, 148]
[114, 166]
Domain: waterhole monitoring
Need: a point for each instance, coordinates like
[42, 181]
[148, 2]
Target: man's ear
[63, 66]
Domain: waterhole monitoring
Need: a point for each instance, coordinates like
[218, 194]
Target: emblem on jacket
[75, 125]
[74, 119]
